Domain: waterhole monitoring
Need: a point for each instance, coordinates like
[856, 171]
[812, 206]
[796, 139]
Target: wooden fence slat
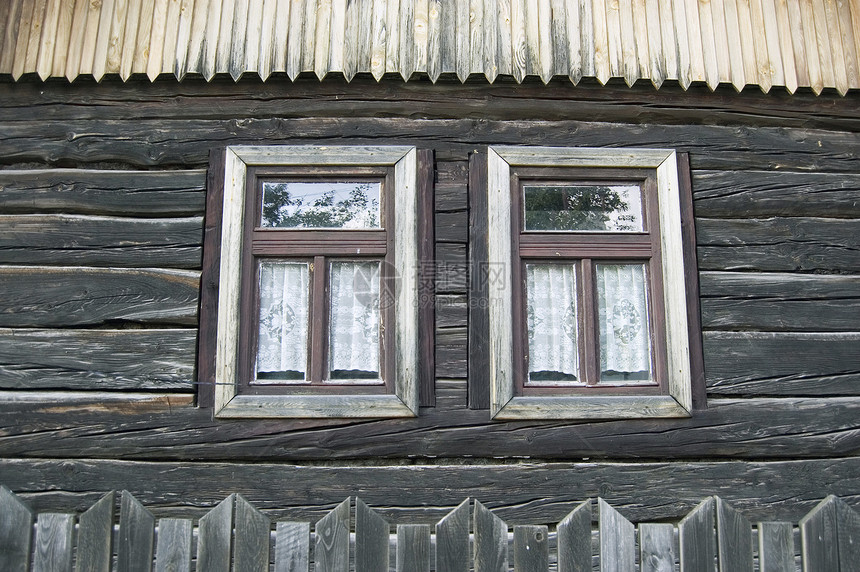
[775, 547]
[734, 539]
[292, 546]
[818, 530]
[696, 533]
[213, 537]
[173, 549]
[656, 547]
[371, 539]
[617, 540]
[848, 535]
[531, 548]
[331, 553]
[574, 540]
[253, 528]
[491, 541]
[54, 544]
[413, 548]
[136, 534]
[452, 540]
[95, 536]
[16, 529]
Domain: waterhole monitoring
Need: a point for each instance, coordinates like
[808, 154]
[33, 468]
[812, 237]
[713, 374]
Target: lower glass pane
[283, 327]
[622, 308]
[354, 319]
[552, 324]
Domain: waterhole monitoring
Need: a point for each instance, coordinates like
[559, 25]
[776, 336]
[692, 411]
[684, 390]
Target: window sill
[314, 406]
[591, 407]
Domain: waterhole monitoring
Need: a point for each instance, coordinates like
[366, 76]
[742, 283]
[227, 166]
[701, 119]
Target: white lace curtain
[283, 333]
[623, 321]
[552, 322]
[354, 322]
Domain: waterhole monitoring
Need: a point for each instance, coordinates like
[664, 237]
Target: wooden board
[331, 553]
[697, 538]
[617, 540]
[574, 540]
[491, 540]
[251, 543]
[136, 535]
[734, 539]
[413, 548]
[16, 531]
[292, 546]
[54, 542]
[776, 547]
[531, 548]
[95, 536]
[452, 540]
[371, 539]
[214, 537]
[173, 550]
[657, 551]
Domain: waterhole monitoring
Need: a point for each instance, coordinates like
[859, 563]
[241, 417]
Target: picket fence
[234, 535]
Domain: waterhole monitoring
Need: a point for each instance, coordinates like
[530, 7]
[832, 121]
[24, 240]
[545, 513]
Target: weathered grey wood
[95, 536]
[697, 538]
[136, 533]
[16, 531]
[173, 549]
[97, 359]
[452, 311]
[54, 543]
[848, 521]
[819, 540]
[491, 540]
[656, 547]
[775, 547]
[574, 540]
[781, 363]
[292, 546]
[452, 540]
[617, 540]
[531, 548]
[103, 192]
[74, 296]
[331, 553]
[371, 539]
[251, 549]
[413, 548]
[214, 536]
[734, 538]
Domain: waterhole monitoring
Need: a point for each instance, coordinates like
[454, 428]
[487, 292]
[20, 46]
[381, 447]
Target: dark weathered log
[451, 188]
[725, 194]
[451, 268]
[782, 363]
[104, 192]
[452, 226]
[451, 310]
[779, 244]
[76, 296]
[101, 241]
[451, 352]
[97, 359]
[779, 301]
[534, 493]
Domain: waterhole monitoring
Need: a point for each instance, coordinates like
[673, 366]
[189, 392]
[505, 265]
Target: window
[587, 302]
[318, 282]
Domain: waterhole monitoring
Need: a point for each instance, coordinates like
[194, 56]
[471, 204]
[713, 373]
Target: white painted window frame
[504, 405]
[229, 403]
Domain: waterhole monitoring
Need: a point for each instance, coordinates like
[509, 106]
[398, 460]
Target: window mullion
[588, 339]
[319, 301]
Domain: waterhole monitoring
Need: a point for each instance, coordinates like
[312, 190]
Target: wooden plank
[734, 539]
[97, 359]
[309, 32]
[255, 35]
[210, 51]
[462, 44]
[847, 31]
[600, 53]
[735, 45]
[136, 530]
[822, 35]
[786, 47]
[322, 40]
[100, 240]
[721, 41]
[657, 71]
[504, 42]
[848, 523]
[838, 54]
[179, 65]
[214, 537]
[617, 540]
[352, 39]
[682, 44]
[224, 40]
[491, 540]
[479, 325]
[239, 46]
[775, 547]
[747, 43]
[63, 32]
[295, 39]
[22, 39]
[818, 535]
[195, 54]
[281, 35]
[406, 45]
[54, 543]
[292, 546]
[392, 27]
[531, 548]
[576, 33]
[452, 540]
[251, 549]
[709, 44]
[331, 553]
[574, 540]
[95, 536]
[640, 30]
[371, 539]
[656, 547]
[116, 40]
[695, 40]
[697, 538]
[155, 61]
[378, 39]
[11, 17]
[435, 39]
[144, 35]
[806, 19]
[763, 35]
[129, 42]
[16, 530]
[669, 50]
[173, 550]
[31, 61]
[413, 548]
[420, 17]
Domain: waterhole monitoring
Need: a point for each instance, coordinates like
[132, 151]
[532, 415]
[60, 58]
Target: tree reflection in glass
[321, 204]
[601, 208]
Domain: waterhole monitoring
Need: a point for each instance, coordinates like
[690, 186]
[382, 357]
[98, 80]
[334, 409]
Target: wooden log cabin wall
[103, 189]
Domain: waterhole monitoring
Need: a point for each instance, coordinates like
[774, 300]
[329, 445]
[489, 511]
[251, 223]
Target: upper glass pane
[283, 325]
[552, 324]
[321, 204]
[590, 208]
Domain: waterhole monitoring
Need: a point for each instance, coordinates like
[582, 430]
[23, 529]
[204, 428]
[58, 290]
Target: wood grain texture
[657, 547]
[698, 538]
[292, 546]
[95, 536]
[251, 543]
[617, 540]
[331, 553]
[531, 548]
[491, 540]
[413, 548]
[54, 542]
[16, 532]
[136, 535]
[452, 540]
[817, 531]
[371, 539]
[214, 535]
[173, 550]
[776, 547]
[734, 539]
[574, 539]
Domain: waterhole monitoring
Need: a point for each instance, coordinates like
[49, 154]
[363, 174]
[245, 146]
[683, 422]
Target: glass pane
[622, 308]
[354, 322]
[552, 324]
[321, 204]
[602, 208]
[283, 334]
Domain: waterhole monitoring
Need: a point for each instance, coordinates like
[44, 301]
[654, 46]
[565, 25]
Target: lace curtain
[283, 333]
[552, 322]
[625, 350]
[354, 321]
